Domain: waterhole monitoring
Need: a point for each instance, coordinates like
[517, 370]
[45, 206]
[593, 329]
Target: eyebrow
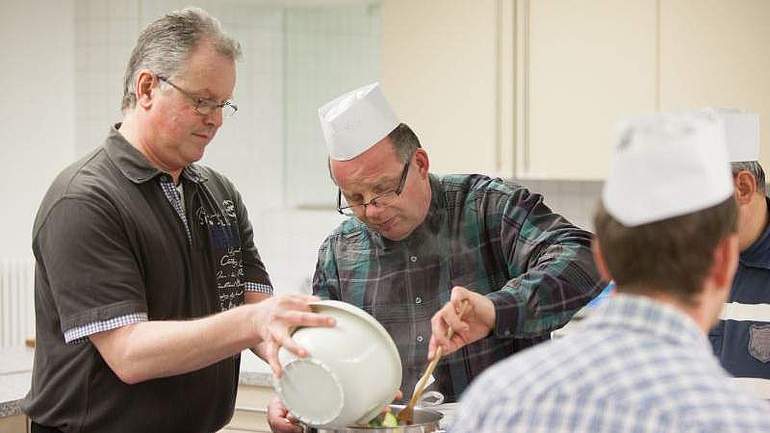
[199, 94]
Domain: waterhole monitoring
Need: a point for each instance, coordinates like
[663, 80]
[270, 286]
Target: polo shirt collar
[134, 165]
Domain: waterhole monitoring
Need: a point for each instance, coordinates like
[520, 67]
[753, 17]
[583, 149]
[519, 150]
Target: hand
[275, 319]
[279, 418]
[477, 322]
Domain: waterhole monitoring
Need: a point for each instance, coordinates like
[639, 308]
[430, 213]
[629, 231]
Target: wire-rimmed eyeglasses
[204, 106]
[381, 200]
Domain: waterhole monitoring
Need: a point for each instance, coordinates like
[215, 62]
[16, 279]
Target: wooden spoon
[407, 414]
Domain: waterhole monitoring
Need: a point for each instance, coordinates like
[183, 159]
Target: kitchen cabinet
[440, 73]
[588, 64]
[714, 53]
[14, 424]
[535, 89]
[583, 66]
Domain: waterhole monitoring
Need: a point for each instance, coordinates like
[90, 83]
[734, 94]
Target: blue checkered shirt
[175, 198]
[634, 366]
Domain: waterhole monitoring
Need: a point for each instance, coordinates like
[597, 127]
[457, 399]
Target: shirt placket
[175, 199]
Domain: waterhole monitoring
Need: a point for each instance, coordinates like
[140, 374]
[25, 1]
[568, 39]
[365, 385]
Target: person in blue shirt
[741, 339]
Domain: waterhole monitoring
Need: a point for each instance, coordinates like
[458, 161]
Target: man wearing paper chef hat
[666, 233]
[416, 239]
[741, 339]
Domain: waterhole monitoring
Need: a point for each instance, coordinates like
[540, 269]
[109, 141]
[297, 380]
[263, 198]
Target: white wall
[37, 111]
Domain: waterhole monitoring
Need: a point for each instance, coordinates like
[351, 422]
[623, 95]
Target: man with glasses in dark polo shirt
[416, 239]
[148, 283]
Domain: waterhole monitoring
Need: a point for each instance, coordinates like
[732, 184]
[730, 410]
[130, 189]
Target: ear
[421, 159]
[145, 83]
[601, 265]
[725, 262]
[745, 187]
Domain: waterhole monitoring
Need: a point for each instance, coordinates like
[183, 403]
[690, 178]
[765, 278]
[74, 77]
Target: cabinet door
[439, 71]
[586, 65]
[714, 53]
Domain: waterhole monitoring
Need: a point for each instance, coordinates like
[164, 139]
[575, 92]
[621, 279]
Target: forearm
[560, 281]
[156, 348]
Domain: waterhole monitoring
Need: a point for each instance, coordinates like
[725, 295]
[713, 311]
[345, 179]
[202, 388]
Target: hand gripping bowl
[352, 372]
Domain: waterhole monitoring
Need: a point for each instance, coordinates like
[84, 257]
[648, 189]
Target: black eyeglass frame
[229, 108]
[341, 209]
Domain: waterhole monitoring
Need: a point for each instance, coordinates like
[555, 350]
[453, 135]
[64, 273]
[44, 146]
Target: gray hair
[405, 141]
[166, 44]
[753, 167]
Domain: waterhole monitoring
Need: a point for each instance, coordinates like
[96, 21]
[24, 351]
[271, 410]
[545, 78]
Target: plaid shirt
[484, 234]
[634, 366]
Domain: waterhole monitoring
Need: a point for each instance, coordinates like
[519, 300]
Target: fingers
[292, 346]
[279, 419]
[432, 346]
[295, 319]
[399, 395]
[444, 320]
[272, 359]
[296, 302]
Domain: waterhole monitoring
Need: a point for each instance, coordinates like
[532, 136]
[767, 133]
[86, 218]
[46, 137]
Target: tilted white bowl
[352, 372]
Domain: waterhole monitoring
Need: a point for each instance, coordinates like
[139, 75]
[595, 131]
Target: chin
[396, 235]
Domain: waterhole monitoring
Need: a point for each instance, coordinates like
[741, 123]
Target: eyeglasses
[205, 106]
[381, 201]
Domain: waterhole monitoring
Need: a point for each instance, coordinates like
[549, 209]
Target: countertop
[16, 376]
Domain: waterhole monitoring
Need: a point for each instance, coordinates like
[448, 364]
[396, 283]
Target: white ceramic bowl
[352, 372]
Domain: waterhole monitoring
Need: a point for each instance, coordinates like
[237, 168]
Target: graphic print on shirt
[759, 342]
[224, 238]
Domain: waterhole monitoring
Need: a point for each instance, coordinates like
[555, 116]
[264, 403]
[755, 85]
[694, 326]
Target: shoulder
[90, 179]
[479, 186]
[349, 232]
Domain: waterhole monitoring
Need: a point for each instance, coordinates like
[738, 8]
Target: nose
[215, 118]
[373, 212]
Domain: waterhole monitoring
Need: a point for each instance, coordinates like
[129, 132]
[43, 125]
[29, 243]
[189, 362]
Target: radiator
[17, 301]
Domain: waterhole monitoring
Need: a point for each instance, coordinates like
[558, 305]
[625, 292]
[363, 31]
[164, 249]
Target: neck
[133, 134]
[756, 223]
[701, 312]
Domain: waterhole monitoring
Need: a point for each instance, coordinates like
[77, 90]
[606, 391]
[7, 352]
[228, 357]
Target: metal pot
[425, 421]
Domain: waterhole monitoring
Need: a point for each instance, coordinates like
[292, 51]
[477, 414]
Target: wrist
[249, 324]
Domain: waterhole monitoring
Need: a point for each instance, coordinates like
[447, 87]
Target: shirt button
[419, 338]
[418, 300]
[413, 259]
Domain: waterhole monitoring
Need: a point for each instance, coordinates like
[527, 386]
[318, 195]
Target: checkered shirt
[635, 365]
[488, 235]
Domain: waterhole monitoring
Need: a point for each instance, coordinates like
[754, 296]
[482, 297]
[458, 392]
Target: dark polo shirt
[108, 243]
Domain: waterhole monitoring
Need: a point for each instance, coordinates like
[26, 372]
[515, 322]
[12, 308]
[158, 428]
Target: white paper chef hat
[356, 121]
[742, 131]
[667, 165]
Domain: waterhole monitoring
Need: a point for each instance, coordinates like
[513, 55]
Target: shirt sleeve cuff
[257, 287]
[509, 316]
[80, 333]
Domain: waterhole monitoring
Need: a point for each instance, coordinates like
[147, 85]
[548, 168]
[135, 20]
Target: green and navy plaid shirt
[487, 235]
